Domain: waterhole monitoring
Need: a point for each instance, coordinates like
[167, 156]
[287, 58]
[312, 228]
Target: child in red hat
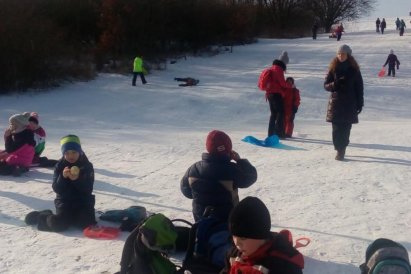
[214, 181]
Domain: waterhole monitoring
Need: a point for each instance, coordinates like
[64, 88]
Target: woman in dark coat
[345, 83]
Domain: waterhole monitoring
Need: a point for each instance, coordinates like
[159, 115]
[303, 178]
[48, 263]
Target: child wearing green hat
[73, 183]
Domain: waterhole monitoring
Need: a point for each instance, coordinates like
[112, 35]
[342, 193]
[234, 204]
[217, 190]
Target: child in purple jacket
[392, 62]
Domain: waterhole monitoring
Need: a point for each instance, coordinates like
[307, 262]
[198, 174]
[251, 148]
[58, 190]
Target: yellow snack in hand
[74, 170]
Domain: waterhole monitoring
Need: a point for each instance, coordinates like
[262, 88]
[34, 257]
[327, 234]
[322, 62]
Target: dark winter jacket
[392, 61]
[214, 181]
[277, 256]
[17, 140]
[347, 96]
[78, 193]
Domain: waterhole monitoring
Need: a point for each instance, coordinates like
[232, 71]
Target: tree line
[44, 42]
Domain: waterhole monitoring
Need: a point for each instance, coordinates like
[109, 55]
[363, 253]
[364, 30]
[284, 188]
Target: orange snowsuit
[291, 103]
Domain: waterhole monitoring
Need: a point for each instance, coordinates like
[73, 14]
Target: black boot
[42, 221]
[340, 154]
[18, 170]
[33, 217]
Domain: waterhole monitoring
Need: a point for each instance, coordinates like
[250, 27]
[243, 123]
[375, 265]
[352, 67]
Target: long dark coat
[346, 99]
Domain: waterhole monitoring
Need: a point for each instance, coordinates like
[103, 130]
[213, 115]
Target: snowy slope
[142, 139]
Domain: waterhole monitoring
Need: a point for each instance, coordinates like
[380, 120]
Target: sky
[392, 8]
[142, 139]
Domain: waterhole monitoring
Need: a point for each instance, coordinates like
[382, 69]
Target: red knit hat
[218, 143]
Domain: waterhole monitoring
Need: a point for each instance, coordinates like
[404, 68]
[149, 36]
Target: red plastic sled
[101, 232]
[381, 73]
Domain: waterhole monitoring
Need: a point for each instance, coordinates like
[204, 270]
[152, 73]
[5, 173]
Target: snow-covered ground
[142, 139]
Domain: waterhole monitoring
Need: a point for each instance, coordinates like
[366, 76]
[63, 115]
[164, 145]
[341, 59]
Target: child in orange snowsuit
[291, 104]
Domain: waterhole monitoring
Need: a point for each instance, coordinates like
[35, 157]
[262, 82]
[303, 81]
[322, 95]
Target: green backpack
[146, 248]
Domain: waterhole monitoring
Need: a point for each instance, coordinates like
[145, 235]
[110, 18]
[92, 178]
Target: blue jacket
[214, 181]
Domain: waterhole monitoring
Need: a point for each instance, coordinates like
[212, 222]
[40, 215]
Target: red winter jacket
[277, 81]
[291, 100]
[277, 256]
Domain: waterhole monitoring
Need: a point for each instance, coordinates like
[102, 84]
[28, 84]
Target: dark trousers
[391, 69]
[65, 217]
[339, 36]
[276, 124]
[341, 135]
[143, 79]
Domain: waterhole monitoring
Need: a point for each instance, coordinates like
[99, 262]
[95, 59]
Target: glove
[398, 67]
[295, 109]
[359, 110]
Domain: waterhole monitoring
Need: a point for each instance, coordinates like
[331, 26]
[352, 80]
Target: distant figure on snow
[392, 62]
[138, 69]
[188, 81]
[383, 25]
[402, 27]
[314, 30]
[339, 31]
[377, 25]
[398, 23]
[345, 83]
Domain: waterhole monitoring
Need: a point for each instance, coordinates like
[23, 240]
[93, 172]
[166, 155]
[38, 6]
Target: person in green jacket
[138, 69]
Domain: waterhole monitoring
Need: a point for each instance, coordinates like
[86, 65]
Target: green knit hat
[70, 142]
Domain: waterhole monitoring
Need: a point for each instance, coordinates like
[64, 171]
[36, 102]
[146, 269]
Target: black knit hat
[250, 218]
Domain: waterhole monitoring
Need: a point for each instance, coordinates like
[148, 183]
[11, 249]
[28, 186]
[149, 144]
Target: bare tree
[330, 12]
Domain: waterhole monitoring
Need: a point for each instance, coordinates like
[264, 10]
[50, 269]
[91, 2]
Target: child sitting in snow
[73, 183]
[291, 104]
[19, 146]
[40, 138]
[214, 181]
[257, 250]
[392, 62]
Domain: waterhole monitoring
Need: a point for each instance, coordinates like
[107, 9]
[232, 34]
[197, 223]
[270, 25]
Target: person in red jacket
[257, 250]
[291, 104]
[275, 93]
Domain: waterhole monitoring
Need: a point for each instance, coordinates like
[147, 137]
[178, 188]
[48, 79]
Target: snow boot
[42, 224]
[33, 217]
[340, 154]
[17, 171]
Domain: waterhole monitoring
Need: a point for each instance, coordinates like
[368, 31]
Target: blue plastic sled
[272, 141]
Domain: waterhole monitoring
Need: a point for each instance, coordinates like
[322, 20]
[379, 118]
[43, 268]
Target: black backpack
[384, 256]
[146, 248]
